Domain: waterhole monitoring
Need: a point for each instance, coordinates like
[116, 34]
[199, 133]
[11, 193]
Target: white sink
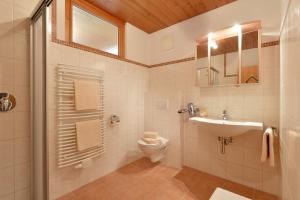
[227, 128]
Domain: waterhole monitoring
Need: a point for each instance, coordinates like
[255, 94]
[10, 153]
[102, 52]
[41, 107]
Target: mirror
[229, 56]
[224, 61]
[202, 65]
[250, 58]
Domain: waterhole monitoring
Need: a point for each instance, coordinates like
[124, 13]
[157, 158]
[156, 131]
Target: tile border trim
[172, 62]
[269, 44]
[96, 51]
[266, 44]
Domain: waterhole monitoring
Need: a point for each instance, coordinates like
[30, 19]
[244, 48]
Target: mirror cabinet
[230, 56]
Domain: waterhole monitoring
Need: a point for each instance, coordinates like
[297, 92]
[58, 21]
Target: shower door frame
[39, 144]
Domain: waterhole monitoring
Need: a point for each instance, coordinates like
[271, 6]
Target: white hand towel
[271, 149]
[87, 95]
[264, 151]
[268, 147]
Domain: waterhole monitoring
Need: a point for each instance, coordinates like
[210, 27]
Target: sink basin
[227, 128]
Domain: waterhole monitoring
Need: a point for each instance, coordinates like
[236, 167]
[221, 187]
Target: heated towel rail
[67, 115]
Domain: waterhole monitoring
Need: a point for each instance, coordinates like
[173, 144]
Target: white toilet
[154, 151]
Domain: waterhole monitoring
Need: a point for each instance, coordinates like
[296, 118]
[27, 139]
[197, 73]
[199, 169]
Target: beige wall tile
[22, 150]
[22, 176]
[7, 181]
[6, 153]
[234, 172]
[26, 5]
[253, 178]
[252, 158]
[271, 182]
[6, 14]
[22, 127]
[6, 71]
[22, 94]
[219, 168]
[22, 194]
[8, 197]
[21, 47]
[7, 124]
[236, 155]
[21, 73]
[6, 43]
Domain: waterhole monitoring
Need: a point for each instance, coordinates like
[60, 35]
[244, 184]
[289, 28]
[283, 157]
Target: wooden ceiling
[154, 15]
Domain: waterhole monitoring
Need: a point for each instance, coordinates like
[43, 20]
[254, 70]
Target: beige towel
[150, 134]
[87, 95]
[268, 147]
[88, 134]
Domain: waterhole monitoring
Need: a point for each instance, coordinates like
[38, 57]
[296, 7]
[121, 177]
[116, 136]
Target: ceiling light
[237, 27]
[213, 45]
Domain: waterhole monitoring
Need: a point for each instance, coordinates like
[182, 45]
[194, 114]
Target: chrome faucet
[225, 115]
[192, 109]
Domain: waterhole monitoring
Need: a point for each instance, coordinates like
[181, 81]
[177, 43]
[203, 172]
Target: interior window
[92, 27]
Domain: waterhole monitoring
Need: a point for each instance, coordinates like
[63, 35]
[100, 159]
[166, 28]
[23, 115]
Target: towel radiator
[67, 115]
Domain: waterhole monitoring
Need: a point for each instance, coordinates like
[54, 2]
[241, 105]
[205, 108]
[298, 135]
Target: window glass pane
[94, 32]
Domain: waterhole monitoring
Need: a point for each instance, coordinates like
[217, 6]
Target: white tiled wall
[14, 78]
[125, 85]
[290, 103]
[175, 84]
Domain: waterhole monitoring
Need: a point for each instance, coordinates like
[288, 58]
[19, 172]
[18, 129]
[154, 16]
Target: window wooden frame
[98, 12]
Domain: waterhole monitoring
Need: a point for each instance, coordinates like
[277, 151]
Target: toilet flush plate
[221, 194]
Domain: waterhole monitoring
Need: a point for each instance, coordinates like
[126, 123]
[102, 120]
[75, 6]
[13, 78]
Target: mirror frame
[229, 32]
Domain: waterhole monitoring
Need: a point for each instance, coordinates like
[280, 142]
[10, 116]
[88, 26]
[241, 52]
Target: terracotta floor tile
[70, 196]
[166, 191]
[187, 177]
[204, 188]
[258, 195]
[189, 196]
[143, 180]
[238, 189]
